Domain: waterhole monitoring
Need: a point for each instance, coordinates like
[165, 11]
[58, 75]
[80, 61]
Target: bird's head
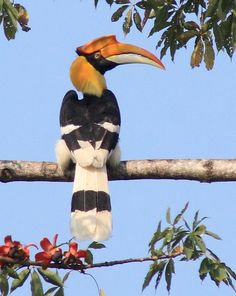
[103, 54]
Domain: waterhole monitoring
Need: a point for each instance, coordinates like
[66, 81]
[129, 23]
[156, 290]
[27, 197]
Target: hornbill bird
[90, 131]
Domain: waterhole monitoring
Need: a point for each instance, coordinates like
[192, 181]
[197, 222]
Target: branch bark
[201, 170]
[82, 267]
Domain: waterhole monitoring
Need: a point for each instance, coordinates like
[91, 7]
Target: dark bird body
[90, 132]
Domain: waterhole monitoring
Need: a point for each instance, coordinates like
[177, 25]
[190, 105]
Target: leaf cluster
[217, 270]
[36, 277]
[185, 242]
[206, 25]
[12, 15]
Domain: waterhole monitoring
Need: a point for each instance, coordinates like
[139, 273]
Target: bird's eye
[97, 55]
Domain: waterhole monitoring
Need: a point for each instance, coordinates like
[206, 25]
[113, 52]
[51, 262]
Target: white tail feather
[92, 224]
[104, 226]
[83, 224]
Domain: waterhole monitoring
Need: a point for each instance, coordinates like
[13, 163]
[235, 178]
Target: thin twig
[82, 267]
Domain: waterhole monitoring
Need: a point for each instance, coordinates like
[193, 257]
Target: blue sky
[177, 113]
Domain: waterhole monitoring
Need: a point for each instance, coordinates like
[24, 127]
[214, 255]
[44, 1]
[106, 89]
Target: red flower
[51, 251]
[14, 249]
[73, 255]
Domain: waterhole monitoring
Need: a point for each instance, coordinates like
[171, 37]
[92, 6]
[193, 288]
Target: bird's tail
[90, 207]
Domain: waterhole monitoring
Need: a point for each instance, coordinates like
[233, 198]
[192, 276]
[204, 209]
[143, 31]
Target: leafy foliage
[20, 279]
[11, 15]
[183, 241]
[96, 245]
[205, 25]
[177, 240]
[186, 243]
[37, 276]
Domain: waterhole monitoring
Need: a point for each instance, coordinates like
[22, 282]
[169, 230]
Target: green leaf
[219, 39]
[168, 219]
[95, 245]
[161, 268]
[222, 274]
[1, 4]
[226, 30]
[36, 285]
[9, 24]
[180, 215]
[89, 257]
[179, 237]
[230, 282]
[118, 13]
[147, 15]
[50, 291]
[233, 29]
[110, 2]
[213, 255]
[209, 55]
[170, 268]
[51, 277]
[200, 243]
[186, 224]
[12, 272]
[201, 229]
[177, 218]
[195, 221]
[9, 8]
[205, 266]
[221, 11]
[211, 8]
[161, 20]
[212, 234]
[191, 25]
[4, 286]
[191, 7]
[231, 272]
[154, 268]
[137, 20]
[66, 277]
[156, 237]
[227, 6]
[122, 1]
[218, 274]
[140, 4]
[202, 276]
[60, 292]
[22, 277]
[169, 234]
[184, 37]
[128, 22]
[173, 48]
[188, 247]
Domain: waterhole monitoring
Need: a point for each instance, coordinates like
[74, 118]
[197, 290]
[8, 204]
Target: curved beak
[123, 53]
[119, 53]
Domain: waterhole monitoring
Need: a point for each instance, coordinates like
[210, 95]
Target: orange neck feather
[86, 78]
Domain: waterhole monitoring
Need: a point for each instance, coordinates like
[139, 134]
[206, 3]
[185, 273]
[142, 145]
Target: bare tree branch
[180, 169]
